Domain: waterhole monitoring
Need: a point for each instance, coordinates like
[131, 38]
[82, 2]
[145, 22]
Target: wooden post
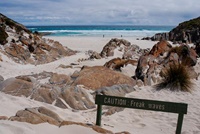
[99, 112]
[179, 123]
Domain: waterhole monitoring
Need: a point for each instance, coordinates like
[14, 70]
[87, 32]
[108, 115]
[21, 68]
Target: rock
[99, 76]
[16, 87]
[65, 66]
[44, 94]
[108, 49]
[160, 48]
[142, 66]
[95, 128]
[113, 110]
[44, 115]
[117, 63]
[160, 36]
[75, 75]
[101, 130]
[185, 32]
[56, 91]
[116, 90]
[192, 73]
[14, 25]
[39, 52]
[162, 55]
[59, 79]
[77, 98]
[187, 55]
[1, 78]
[1, 58]
[25, 78]
[140, 83]
[94, 55]
[18, 52]
[3, 36]
[45, 46]
[124, 132]
[49, 113]
[37, 116]
[60, 103]
[31, 48]
[24, 40]
[132, 52]
[197, 48]
[3, 118]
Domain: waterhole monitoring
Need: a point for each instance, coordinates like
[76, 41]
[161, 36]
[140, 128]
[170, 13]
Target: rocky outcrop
[17, 87]
[67, 91]
[118, 63]
[59, 79]
[133, 52]
[37, 116]
[160, 48]
[1, 58]
[185, 32]
[1, 78]
[12, 24]
[120, 47]
[3, 118]
[40, 115]
[99, 76]
[94, 55]
[95, 128]
[108, 49]
[116, 90]
[3, 36]
[18, 52]
[161, 56]
[77, 98]
[25, 47]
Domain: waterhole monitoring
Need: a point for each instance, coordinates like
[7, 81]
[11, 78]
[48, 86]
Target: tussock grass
[175, 78]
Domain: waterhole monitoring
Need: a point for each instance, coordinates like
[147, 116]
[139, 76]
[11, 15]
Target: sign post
[153, 105]
[99, 111]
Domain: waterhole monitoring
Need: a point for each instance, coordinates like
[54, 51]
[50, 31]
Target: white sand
[131, 120]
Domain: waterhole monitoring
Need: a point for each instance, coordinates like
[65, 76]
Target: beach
[129, 120]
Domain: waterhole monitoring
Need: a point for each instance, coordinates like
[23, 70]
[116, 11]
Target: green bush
[176, 78]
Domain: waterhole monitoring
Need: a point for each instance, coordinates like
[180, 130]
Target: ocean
[103, 31]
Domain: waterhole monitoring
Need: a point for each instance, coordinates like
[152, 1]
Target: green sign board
[153, 105]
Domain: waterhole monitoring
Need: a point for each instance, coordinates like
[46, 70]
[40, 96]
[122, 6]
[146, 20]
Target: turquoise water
[114, 31]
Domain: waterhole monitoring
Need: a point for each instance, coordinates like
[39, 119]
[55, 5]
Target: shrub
[175, 77]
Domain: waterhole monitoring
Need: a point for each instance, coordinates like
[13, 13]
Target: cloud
[82, 12]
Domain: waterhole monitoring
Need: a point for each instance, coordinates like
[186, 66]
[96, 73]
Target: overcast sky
[100, 12]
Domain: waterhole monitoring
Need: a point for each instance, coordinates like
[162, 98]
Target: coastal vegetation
[176, 78]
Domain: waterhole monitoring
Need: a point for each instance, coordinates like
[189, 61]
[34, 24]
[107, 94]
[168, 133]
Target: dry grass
[175, 78]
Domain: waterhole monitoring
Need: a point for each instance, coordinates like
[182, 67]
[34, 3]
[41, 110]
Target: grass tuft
[175, 78]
